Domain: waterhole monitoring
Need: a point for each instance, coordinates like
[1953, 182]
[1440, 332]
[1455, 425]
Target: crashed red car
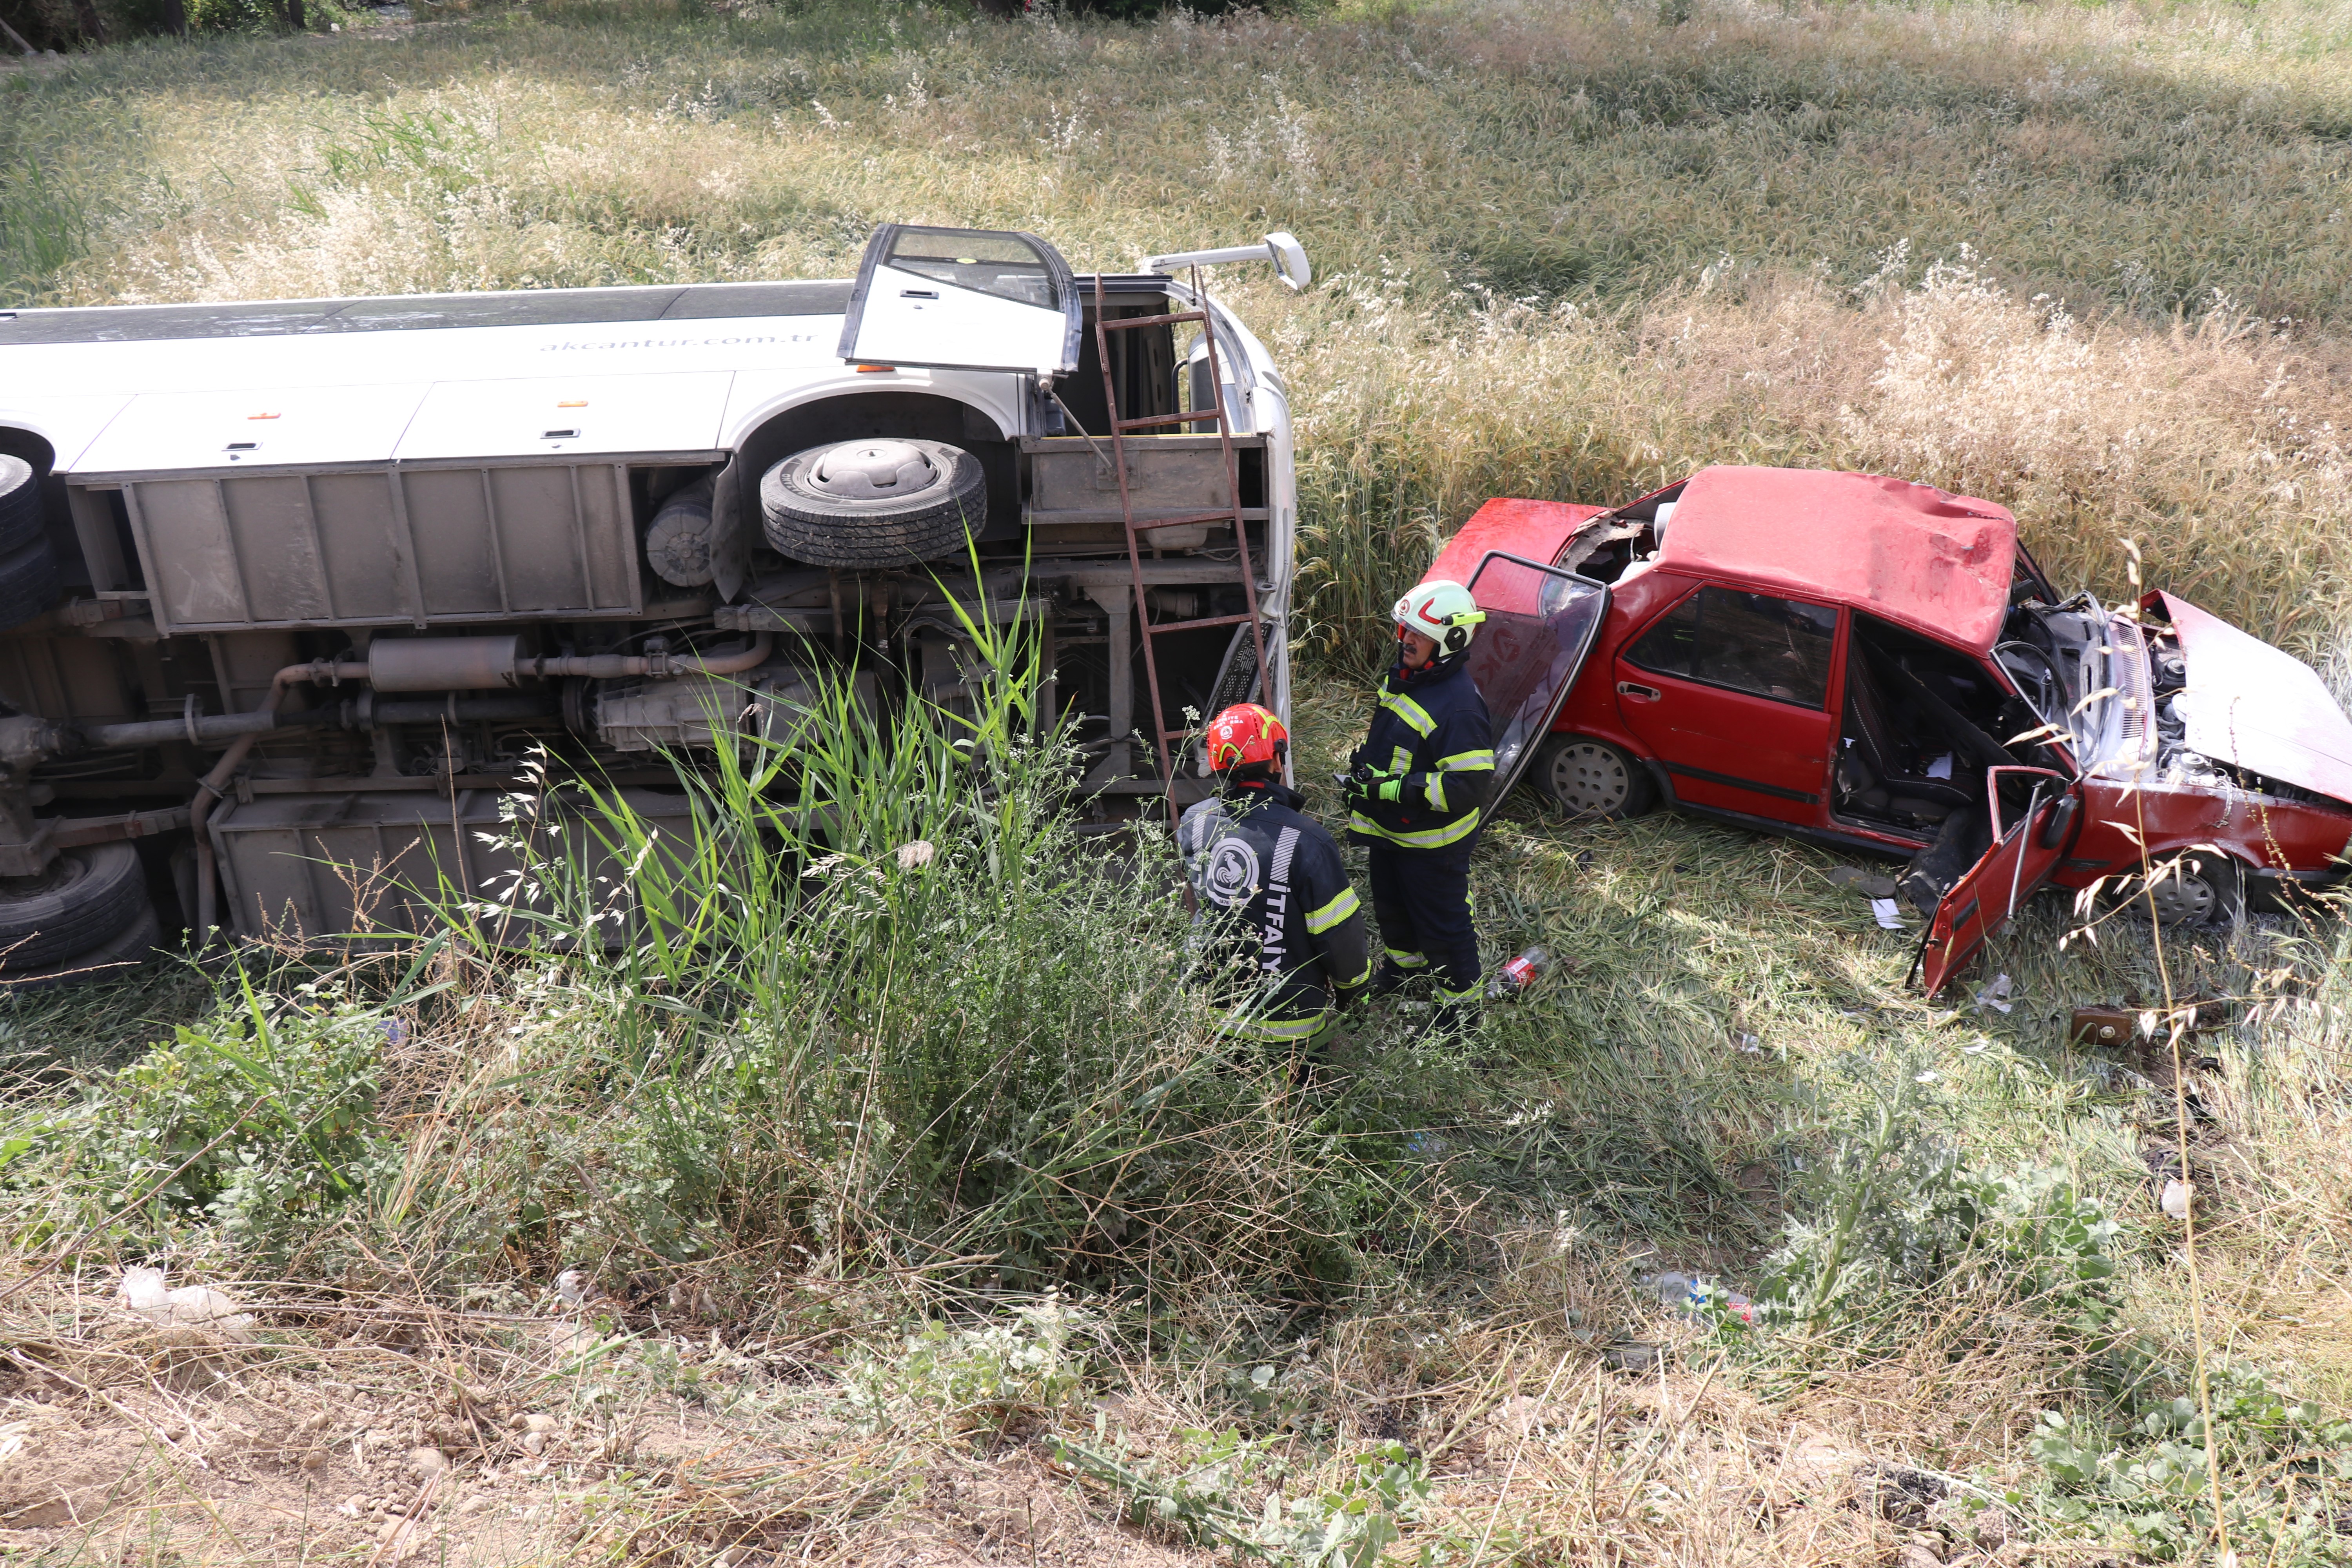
[1879, 665]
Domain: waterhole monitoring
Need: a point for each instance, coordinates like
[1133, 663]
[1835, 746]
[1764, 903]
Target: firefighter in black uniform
[1279, 938]
[1417, 794]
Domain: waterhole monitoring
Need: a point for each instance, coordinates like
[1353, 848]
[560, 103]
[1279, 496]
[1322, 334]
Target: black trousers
[1421, 901]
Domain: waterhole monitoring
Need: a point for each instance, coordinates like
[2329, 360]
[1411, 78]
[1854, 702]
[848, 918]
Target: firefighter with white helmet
[1279, 938]
[1418, 792]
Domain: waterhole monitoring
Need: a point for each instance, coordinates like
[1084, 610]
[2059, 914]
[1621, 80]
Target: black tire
[2203, 892]
[831, 513]
[135, 944]
[20, 505]
[29, 582]
[1592, 780]
[86, 898]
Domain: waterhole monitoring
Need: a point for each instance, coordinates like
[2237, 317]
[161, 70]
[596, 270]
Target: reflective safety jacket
[1432, 728]
[1279, 935]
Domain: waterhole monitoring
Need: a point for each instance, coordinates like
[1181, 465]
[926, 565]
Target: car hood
[2258, 708]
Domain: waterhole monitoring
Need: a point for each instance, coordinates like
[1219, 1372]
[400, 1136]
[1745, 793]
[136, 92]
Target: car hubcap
[1589, 779]
[2183, 899]
[873, 471]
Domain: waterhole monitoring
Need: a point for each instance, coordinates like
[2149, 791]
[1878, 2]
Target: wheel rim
[874, 470]
[62, 872]
[2183, 897]
[1590, 779]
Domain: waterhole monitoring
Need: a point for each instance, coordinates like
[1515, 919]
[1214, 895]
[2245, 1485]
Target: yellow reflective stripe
[1331, 914]
[1432, 789]
[1405, 960]
[1239, 1023]
[1453, 832]
[1399, 759]
[1466, 762]
[1411, 712]
[1361, 976]
[1461, 995]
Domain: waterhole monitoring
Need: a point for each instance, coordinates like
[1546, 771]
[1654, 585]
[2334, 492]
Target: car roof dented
[1934, 562]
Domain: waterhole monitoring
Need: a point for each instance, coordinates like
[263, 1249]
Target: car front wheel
[1593, 779]
[2200, 891]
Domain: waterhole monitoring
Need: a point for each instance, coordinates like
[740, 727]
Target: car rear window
[1773, 647]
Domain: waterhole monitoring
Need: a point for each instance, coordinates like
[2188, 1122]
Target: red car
[1878, 666]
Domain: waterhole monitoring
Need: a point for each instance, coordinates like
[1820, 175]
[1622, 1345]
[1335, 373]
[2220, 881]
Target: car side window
[1774, 647]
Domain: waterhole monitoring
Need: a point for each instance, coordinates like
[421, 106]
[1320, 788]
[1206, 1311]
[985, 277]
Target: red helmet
[1244, 736]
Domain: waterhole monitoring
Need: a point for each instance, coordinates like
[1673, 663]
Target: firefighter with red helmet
[1417, 795]
[1279, 938]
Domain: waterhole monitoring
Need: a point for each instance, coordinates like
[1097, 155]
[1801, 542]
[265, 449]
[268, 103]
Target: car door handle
[1638, 691]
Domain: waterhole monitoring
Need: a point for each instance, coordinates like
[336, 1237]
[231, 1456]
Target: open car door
[2027, 841]
[1541, 623]
[963, 299]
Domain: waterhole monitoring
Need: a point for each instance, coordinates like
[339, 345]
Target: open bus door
[963, 299]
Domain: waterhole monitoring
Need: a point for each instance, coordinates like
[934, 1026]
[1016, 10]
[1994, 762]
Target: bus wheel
[84, 900]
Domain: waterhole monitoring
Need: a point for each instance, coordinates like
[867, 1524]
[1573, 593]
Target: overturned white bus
[299, 584]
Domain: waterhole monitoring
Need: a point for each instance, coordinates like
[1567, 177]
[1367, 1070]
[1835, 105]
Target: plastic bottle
[1693, 1294]
[1518, 975]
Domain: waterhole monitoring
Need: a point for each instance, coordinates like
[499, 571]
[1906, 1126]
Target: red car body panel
[1909, 553]
[1940, 566]
[2263, 710]
[1533, 530]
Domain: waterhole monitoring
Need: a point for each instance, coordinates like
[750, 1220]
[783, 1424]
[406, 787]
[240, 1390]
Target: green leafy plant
[2142, 1480]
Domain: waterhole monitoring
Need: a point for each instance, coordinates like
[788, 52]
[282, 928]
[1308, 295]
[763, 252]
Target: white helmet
[1442, 611]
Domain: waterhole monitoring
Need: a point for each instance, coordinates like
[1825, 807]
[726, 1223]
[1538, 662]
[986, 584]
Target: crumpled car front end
[2191, 733]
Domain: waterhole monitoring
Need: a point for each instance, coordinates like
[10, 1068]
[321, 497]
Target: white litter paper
[1889, 917]
[1941, 768]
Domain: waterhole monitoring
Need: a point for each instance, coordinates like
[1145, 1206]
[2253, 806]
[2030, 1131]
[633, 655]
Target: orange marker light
[876, 369]
[261, 416]
[575, 403]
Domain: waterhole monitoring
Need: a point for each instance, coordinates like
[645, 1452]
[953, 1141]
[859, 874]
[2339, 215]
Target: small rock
[426, 1463]
[1631, 1358]
[315, 1459]
[318, 1422]
[573, 1286]
[534, 1443]
[468, 1504]
[1917, 1556]
[532, 1421]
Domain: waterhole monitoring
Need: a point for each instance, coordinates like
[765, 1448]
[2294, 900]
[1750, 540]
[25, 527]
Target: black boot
[1458, 1018]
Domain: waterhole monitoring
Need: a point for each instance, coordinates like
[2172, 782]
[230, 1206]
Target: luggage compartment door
[963, 299]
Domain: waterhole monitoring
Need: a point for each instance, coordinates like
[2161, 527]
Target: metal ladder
[1137, 527]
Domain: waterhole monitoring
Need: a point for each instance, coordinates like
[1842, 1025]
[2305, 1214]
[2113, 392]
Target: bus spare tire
[29, 582]
[877, 503]
[20, 504]
[85, 899]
